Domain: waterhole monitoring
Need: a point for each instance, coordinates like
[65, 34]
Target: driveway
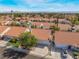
[3, 43]
[37, 53]
[11, 54]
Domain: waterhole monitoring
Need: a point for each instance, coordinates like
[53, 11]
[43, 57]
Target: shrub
[43, 21]
[41, 27]
[14, 23]
[55, 28]
[77, 30]
[33, 26]
[14, 42]
[76, 53]
[27, 39]
[77, 22]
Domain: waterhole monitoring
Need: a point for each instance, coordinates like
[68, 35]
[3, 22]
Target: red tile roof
[41, 34]
[39, 23]
[68, 38]
[15, 31]
[2, 28]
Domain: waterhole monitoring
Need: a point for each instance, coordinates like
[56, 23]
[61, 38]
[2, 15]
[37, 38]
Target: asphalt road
[10, 54]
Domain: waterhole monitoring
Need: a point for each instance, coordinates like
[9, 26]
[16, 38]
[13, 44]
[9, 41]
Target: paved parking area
[11, 54]
[37, 53]
[69, 56]
[3, 43]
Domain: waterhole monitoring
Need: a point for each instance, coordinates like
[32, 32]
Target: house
[61, 37]
[42, 35]
[15, 31]
[44, 24]
[67, 38]
[2, 28]
[65, 27]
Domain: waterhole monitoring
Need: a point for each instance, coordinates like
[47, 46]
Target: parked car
[64, 54]
[6, 38]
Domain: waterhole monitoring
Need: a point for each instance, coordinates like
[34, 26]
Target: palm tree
[73, 20]
[51, 40]
[12, 14]
[56, 21]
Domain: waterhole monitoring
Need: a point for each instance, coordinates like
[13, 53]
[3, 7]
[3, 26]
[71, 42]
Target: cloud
[9, 8]
[41, 5]
[35, 1]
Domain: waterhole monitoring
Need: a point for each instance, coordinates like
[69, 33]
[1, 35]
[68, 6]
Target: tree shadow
[11, 54]
[41, 45]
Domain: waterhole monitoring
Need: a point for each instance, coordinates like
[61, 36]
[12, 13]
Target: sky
[39, 5]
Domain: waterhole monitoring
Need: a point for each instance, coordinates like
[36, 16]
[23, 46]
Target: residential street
[37, 53]
[10, 54]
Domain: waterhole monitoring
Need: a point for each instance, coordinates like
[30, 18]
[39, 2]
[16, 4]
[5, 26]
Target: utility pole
[49, 47]
[51, 41]
[12, 14]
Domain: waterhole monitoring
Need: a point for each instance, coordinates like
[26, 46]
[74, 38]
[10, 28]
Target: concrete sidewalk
[3, 43]
[43, 53]
[69, 56]
[39, 51]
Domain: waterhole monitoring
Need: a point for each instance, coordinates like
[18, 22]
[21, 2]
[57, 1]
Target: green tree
[14, 42]
[27, 40]
[54, 28]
